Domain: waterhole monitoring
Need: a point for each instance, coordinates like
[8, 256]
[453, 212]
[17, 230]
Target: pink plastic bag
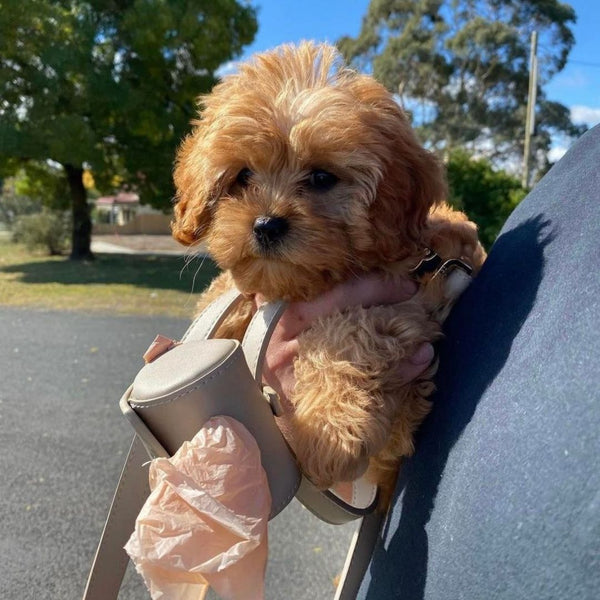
[205, 521]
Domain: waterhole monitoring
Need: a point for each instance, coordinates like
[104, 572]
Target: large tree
[462, 68]
[110, 85]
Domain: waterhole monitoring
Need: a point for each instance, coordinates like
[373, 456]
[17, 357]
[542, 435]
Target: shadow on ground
[150, 271]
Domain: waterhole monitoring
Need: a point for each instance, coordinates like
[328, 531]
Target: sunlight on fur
[301, 173]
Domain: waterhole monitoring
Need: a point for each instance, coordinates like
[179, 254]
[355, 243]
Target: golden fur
[261, 137]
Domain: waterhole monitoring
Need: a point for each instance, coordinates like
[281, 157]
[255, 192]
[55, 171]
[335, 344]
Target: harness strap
[359, 556]
[110, 562]
[208, 321]
[258, 334]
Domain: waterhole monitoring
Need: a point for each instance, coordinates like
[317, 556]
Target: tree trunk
[82, 224]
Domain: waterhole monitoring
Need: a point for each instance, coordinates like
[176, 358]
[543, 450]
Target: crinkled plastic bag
[205, 521]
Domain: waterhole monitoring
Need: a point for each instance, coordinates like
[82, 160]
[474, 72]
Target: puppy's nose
[270, 230]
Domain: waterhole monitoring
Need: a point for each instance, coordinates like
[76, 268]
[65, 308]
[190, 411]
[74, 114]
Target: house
[124, 214]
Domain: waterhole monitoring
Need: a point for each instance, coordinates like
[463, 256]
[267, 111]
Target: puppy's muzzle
[269, 231]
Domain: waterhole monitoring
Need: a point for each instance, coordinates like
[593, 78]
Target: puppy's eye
[243, 177]
[321, 180]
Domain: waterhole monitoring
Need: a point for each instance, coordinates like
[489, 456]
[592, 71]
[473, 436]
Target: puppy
[299, 174]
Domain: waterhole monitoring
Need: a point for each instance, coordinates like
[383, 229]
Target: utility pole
[531, 99]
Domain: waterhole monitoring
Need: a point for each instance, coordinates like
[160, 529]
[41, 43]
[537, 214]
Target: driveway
[62, 444]
[140, 244]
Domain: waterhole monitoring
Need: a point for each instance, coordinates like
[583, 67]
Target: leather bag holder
[173, 397]
[170, 400]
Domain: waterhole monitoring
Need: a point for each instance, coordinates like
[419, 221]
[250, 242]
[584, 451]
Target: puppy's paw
[328, 454]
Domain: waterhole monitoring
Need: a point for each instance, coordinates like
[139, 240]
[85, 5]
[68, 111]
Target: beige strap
[258, 334]
[110, 562]
[456, 283]
[322, 504]
[359, 556]
[208, 321]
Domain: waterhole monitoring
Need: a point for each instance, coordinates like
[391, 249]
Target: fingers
[278, 371]
[278, 368]
[368, 291]
[371, 290]
[417, 363]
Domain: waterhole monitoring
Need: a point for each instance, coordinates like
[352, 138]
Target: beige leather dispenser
[172, 398]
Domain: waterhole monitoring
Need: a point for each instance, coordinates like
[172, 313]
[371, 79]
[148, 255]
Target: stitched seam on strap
[221, 311]
[190, 328]
[255, 375]
[249, 339]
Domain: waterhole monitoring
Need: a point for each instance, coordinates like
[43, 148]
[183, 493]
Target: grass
[113, 283]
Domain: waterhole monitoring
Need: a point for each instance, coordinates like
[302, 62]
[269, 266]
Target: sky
[577, 86]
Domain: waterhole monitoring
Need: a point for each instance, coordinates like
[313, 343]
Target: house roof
[120, 198]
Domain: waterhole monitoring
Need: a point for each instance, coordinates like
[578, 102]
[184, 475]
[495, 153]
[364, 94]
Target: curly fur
[286, 114]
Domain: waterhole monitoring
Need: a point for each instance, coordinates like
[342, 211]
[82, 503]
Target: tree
[462, 68]
[110, 85]
[13, 204]
[33, 187]
[486, 194]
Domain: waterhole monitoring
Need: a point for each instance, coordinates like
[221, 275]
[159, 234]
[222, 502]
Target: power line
[574, 61]
[583, 62]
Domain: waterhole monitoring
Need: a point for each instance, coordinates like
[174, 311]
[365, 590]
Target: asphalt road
[62, 444]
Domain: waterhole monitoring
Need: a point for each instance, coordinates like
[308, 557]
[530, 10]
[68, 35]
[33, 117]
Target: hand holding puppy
[368, 291]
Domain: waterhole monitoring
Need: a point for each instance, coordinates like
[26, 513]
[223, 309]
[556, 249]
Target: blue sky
[577, 86]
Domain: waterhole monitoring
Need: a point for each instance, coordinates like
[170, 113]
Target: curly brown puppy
[299, 174]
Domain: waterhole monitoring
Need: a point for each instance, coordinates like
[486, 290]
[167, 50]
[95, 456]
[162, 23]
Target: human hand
[371, 290]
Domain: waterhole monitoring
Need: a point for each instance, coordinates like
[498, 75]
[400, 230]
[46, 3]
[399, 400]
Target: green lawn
[116, 283]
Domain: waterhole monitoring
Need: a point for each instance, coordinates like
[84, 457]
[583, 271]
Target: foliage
[44, 184]
[35, 185]
[47, 230]
[462, 67]
[13, 205]
[110, 86]
[487, 195]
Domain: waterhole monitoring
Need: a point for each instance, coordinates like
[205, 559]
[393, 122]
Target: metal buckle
[433, 263]
[429, 263]
[450, 265]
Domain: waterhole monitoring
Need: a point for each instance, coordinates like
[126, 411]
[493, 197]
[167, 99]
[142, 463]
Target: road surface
[62, 444]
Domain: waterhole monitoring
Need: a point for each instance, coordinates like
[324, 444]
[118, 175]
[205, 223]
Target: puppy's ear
[196, 187]
[412, 180]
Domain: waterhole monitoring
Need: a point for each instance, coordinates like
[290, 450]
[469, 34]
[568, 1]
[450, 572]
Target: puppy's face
[300, 174]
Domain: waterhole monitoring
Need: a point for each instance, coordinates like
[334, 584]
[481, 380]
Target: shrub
[12, 206]
[47, 230]
[487, 195]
